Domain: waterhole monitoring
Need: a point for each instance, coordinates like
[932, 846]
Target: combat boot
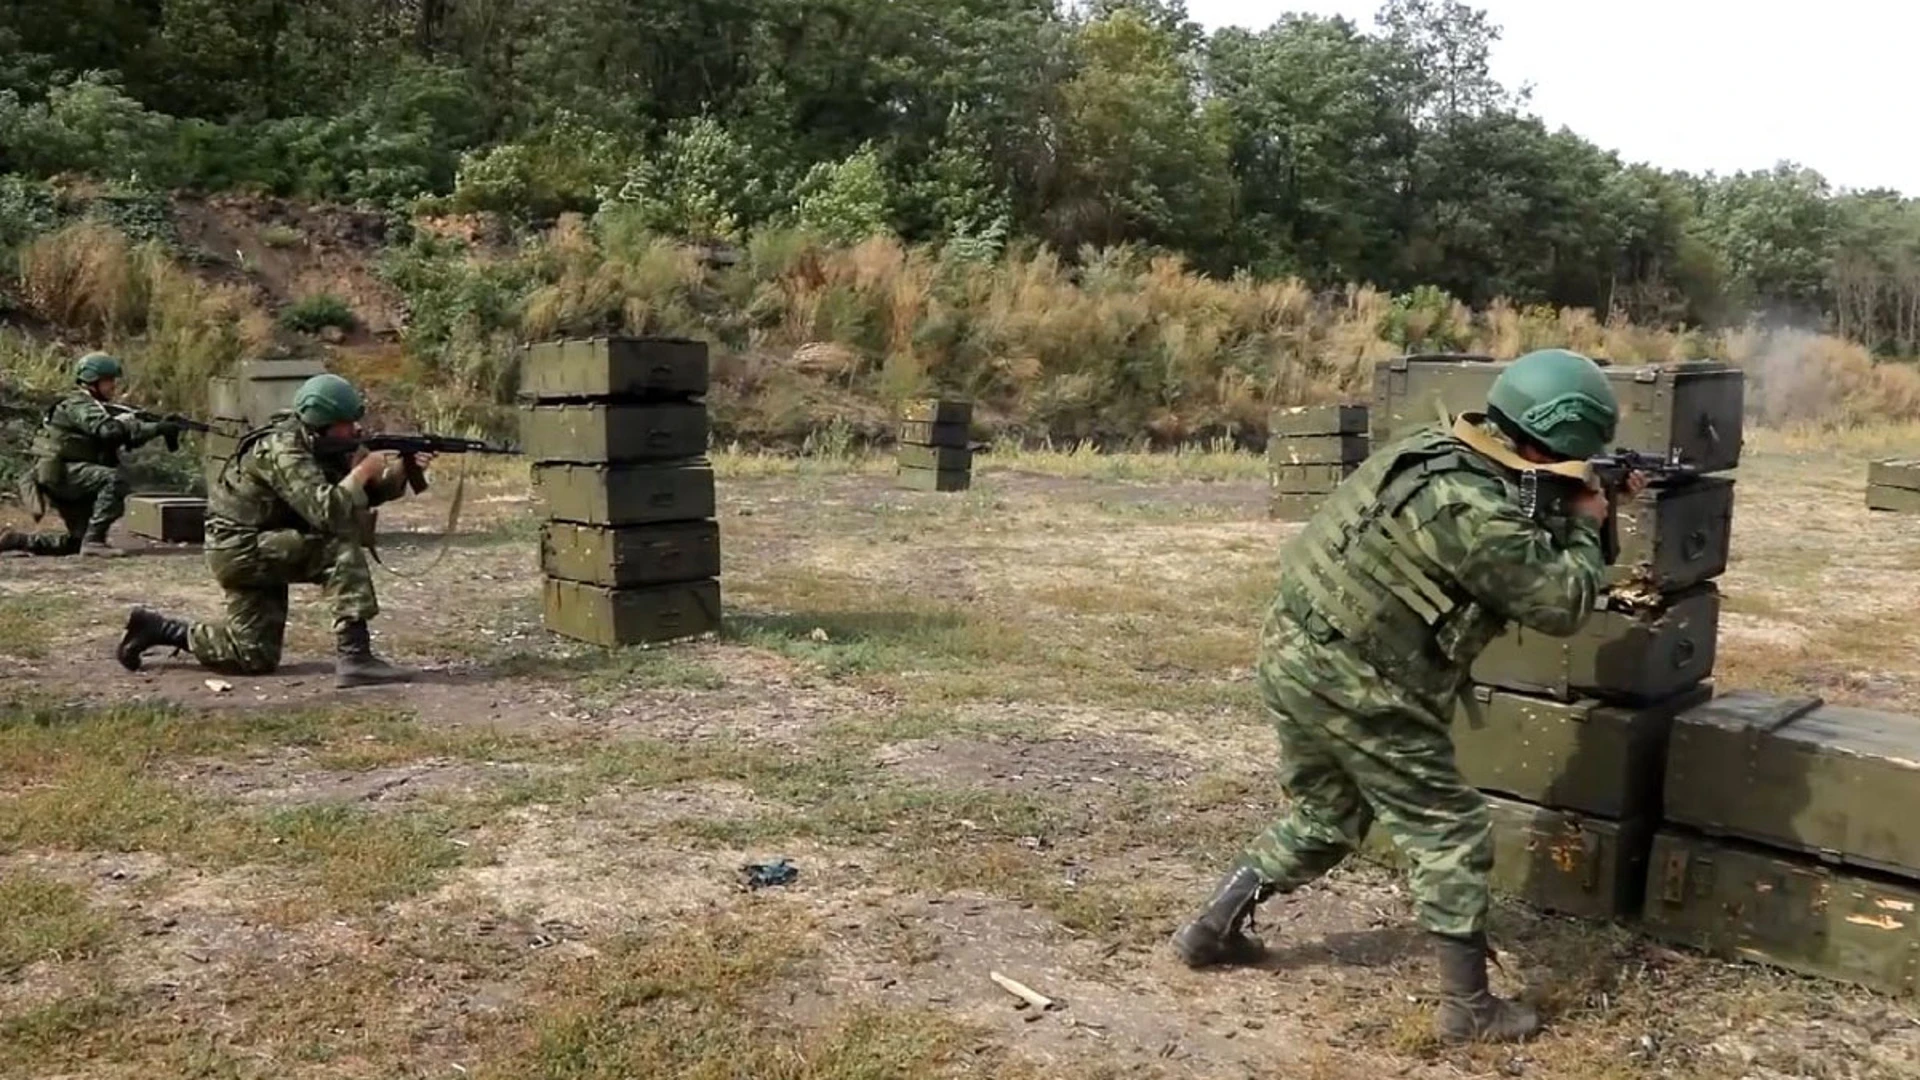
[1468, 1010]
[13, 543]
[96, 545]
[1217, 935]
[356, 665]
[149, 630]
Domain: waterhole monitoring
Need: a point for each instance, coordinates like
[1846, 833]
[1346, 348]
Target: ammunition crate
[1318, 450]
[1317, 420]
[1585, 756]
[1739, 902]
[1896, 473]
[1283, 506]
[1617, 656]
[633, 555]
[225, 400]
[615, 367]
[937, 411]
[1896, 500]
[1841, 783]
[1694, 410]
[943, 458]
[268, 386]
[1307, 479]
[923, 433]
[1555, 860]
[1412, 391]
[613, 432]
[616, 617]
[918, 479]
[173, 519]
[290, 370]
[624, 494]
[1673, 535]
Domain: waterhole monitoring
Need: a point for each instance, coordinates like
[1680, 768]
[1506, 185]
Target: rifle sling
[446, 537]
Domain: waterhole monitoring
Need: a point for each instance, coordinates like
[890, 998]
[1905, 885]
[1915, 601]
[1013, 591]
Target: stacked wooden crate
[1310, 450]
[617, 430]
[935, 451]
[1790, 839]
[1894, 485]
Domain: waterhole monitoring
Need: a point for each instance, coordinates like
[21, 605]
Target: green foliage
[567, 165]
[845, 201]
[311, 314]
[87, 124]
[26, 210]
[1384, 154]
[702, 181]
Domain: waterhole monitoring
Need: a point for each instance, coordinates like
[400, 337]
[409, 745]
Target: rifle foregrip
[416, 476]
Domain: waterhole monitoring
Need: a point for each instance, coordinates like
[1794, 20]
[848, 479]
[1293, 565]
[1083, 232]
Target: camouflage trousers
[1356, 750]
[89, 499]
[255, 570]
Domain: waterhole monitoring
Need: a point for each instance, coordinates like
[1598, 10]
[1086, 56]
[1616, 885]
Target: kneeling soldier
[76, 470]
[288, 509]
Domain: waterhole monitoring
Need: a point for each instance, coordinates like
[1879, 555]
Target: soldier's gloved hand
[1591, 503]
[370, 470]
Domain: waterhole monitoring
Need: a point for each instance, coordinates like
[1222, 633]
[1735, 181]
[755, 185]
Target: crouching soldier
[290, 507]
[76, 470]
[1423, 556]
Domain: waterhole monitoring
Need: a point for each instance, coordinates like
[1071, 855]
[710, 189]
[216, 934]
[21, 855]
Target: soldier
[285, 510]
[1411, 567]
[76, 469]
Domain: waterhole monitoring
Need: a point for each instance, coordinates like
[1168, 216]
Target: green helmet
[95, 366]
[1559, 398]
[327, 399]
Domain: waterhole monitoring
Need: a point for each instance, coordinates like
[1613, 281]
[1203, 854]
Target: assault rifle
[175, 423]
[1613, 469]
[408, 447]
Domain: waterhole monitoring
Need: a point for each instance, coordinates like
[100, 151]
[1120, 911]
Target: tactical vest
[60, 444]
[239, 495]
[1356, 567]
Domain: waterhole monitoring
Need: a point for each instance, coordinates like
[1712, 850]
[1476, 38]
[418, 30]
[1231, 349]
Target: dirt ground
[1010, 730]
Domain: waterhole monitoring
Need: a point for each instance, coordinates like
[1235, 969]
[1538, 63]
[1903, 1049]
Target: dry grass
[174, 329]
[1022, 739]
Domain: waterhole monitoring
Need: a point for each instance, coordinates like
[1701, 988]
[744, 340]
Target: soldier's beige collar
[1472, 429]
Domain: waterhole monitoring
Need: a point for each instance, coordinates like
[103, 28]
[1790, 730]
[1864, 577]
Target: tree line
[1317, 148]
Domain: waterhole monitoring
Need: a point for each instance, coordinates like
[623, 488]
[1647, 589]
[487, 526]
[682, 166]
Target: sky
[1701, 85]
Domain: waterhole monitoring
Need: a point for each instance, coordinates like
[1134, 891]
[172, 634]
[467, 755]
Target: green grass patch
[46, 919]
[312, 314]
[25, 620]
[356, 859]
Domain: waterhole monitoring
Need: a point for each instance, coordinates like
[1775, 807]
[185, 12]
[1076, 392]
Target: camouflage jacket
[1425, 555]
[80, 429]
[277, 480]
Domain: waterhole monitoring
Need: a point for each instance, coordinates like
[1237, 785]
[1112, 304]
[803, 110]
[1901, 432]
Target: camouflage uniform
[279, 515]
[1368, 643]
[76, 467]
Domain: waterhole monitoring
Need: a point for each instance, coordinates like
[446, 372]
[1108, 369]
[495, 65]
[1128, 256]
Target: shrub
[311, 314]
[26, 211]
[281, 237]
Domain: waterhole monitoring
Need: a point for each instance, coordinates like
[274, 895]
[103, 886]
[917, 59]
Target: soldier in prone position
[76, 470]
[1407, 572]
[281, 513]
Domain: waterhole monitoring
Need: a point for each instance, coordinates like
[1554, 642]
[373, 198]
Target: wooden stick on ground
[1024, 993]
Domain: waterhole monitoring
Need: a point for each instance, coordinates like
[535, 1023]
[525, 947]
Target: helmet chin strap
[1468, 430]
